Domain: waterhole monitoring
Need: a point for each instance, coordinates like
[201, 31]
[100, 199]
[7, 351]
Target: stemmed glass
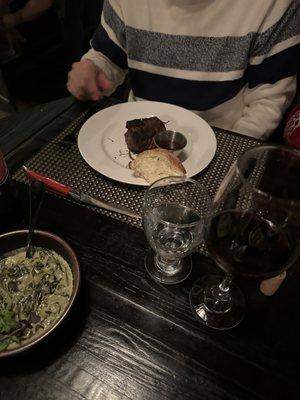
[253, 230]
[174, 213]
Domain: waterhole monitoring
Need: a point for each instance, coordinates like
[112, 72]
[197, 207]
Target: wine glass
[253, 230]
[174, 212]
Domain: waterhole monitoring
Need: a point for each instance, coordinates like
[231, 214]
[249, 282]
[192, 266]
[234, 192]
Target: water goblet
[174, 214]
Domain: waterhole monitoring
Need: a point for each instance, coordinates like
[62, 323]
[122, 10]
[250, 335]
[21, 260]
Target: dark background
[38, 73]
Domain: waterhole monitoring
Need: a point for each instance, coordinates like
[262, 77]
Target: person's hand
[86, 81]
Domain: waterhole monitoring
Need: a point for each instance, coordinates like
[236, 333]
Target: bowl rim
[76, 285]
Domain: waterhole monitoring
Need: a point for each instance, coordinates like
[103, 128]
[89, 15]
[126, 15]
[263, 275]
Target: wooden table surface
[128, 337]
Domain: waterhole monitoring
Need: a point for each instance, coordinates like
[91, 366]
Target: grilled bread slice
[155, 164]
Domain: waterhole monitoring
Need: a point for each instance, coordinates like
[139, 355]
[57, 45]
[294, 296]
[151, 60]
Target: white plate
[102, 144]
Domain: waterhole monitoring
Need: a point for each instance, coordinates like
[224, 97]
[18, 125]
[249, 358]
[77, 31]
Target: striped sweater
[234, 62]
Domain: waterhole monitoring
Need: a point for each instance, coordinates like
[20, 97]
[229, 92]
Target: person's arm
[271, 75]
[264, 107]
[104, 66]
[108, 43]
[32, 10]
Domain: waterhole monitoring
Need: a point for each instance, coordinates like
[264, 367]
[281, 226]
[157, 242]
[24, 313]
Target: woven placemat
[67, 166]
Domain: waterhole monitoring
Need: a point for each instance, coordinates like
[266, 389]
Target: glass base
[217, 320]
[169, 275]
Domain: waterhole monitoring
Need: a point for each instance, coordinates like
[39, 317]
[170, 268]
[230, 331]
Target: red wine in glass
[253, 230]
[243, 242]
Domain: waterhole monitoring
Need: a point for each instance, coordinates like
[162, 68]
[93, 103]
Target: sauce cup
[173, 141]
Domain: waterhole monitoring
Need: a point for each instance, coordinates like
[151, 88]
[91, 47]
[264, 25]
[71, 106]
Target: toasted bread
[156, 164]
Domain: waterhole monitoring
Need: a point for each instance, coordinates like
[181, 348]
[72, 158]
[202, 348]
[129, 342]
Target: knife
[68, 191]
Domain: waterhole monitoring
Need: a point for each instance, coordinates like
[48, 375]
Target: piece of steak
[140, 133]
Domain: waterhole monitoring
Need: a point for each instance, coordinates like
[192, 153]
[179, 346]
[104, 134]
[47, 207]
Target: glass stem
[225, 285]
[218, 298]
[167, 267]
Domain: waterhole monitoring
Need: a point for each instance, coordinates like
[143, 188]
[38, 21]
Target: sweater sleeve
[271, 74]
[108, 45]
[264, 107]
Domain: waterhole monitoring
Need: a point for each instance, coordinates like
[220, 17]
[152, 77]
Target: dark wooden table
[128, 337]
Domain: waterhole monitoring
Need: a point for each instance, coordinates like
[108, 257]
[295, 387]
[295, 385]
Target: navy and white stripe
[274, 68]
[140, 50]
[193, 95]
[102, 42]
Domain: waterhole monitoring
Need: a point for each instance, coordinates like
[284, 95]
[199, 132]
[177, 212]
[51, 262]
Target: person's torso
[196, 53]
[196, 35]
[179, 49]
